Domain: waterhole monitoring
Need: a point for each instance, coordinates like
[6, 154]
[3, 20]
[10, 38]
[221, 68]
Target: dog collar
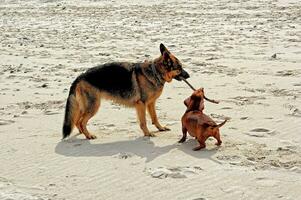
[157, 76]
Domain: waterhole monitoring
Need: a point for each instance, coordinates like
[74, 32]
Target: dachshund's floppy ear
[190, 103]
[194, 103]
[187, 101]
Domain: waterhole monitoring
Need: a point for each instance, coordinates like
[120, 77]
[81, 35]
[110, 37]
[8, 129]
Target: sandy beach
[247, 54]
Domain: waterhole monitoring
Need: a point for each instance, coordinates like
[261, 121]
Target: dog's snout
[182, 75]
[185, 74]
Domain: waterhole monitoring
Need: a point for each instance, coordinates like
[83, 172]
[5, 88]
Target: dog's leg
[202, 145]
[83, 125]
[152, 112]
[94, 104]
[91, 105]
[201, 140]
[141, 111]
[77, 119]
[78, 123]
[184, 131]
[218, 138]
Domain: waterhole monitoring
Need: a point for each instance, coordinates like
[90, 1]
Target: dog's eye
[169, 63]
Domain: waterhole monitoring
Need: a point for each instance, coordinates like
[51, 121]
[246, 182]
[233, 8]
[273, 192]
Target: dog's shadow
[143, 147]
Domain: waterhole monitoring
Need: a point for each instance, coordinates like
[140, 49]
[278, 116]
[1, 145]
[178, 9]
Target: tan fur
[83, 109]
[196, 123]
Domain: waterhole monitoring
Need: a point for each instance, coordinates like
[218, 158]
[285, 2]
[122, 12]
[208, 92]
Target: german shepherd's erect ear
[172, 65]
[163, 49]
[166, 57]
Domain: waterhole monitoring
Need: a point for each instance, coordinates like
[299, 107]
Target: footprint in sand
[296, 169]
[261, 132]
[5, 122]
[245, 100]
[266, 182]
[226, 108]
[51, 112]
[124, 155]
[288, 73]
[173, 172]
[296, 113]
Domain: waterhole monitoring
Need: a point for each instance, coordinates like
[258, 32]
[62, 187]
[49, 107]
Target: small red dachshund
[197, 123]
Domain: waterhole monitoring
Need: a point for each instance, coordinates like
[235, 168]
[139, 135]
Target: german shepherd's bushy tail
[69, 111]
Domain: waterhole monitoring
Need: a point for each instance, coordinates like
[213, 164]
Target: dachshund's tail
[221, 124]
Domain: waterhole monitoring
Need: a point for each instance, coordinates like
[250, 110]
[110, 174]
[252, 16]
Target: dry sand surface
[226, 45]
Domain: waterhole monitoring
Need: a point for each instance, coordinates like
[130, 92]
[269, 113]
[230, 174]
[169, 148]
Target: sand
[244, 53]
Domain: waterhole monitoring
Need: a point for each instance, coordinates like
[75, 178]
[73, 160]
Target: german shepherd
[136, 85]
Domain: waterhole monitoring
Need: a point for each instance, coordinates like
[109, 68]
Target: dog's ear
[187, 101]
[190, 103]
[194, 103]
[167, 62]
[163, 49]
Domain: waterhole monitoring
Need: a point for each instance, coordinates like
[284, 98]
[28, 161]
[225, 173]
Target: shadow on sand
[142, 147]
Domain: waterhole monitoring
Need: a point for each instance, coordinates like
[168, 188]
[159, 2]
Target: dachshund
[196, 123]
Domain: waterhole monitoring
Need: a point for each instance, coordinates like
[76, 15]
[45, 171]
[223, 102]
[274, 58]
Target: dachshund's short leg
[201, 140]
[218, 138]
[199, 147]
[184, 131]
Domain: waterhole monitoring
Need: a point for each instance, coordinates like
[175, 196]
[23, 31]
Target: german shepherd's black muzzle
[183, 75]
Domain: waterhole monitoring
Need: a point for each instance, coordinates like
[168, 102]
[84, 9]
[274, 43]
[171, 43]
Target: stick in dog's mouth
[188, 84]
[210, 100]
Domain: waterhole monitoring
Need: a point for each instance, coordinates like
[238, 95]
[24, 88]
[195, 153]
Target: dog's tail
[221, 124]
[71, 106]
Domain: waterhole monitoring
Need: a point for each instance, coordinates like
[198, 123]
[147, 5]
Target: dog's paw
[149, 135]
[183, 139]
[91, 137]
[164, 129]
[198, 148]
[218, 143]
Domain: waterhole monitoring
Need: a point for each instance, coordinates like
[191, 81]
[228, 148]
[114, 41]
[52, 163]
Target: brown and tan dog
[196, 123]
[137, 85]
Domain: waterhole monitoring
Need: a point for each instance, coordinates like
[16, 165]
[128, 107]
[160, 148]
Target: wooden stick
[188, 84]
[210, 100]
